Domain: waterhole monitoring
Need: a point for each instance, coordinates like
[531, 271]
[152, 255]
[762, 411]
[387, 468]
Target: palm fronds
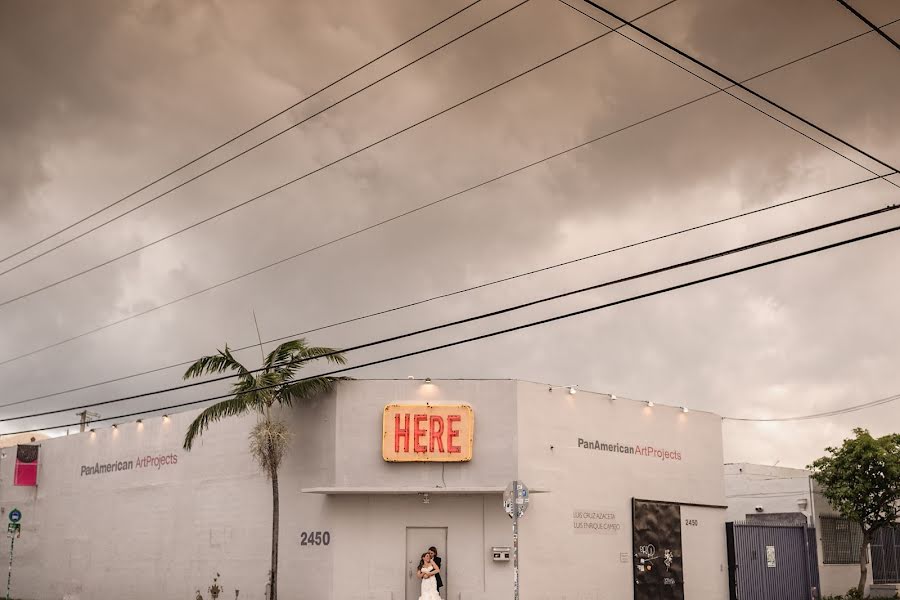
[217, 363]
[257, 392]
[309, 388]
[231, 407]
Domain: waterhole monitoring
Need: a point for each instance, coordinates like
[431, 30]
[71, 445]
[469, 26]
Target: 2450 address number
[315, 538]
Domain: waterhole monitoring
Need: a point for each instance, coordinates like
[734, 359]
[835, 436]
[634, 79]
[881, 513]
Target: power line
[738, 98]
[321, 168]
[222, 145]
[494, 313]
[874, 27]
[420, 208]
[720, 74]
[502, 331]
[242, 153]
[433, 298]
[830, 413]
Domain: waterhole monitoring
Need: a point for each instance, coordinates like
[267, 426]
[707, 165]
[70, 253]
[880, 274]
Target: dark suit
[440, 582]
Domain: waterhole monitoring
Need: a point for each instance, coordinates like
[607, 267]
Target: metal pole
[12, 544]
[515, 517]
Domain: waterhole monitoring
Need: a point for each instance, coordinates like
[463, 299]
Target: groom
[437, 561]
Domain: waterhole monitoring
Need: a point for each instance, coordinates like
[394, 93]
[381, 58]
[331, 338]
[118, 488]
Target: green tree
[260, 392]
[861, 480]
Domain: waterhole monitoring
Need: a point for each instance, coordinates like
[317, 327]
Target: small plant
[215, 589]
[853, 594]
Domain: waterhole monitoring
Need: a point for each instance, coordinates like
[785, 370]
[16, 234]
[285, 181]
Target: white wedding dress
[429, 586]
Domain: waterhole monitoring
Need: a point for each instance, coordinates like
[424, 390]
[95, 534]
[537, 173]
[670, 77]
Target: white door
[418, 540]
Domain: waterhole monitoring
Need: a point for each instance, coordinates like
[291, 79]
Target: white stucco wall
[775, 489]
[550, 424]
[148, 533]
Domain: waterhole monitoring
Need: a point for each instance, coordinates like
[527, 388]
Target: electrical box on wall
[500, 552]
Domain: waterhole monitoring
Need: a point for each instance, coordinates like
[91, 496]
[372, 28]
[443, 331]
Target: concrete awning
[334, 491]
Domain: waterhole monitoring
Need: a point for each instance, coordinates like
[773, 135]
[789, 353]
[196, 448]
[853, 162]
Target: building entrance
[418, 540]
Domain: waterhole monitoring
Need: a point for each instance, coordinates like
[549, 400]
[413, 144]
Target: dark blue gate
[772, 562]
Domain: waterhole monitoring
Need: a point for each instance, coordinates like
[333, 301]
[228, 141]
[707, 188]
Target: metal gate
[772, 562]
[886, 555]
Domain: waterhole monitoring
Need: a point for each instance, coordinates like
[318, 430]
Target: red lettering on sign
[452, 433]
[437, 430]
[418, 433]
[401, 432]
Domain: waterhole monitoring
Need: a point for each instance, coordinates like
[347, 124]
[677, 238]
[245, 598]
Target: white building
[770, 494]
[126, 513]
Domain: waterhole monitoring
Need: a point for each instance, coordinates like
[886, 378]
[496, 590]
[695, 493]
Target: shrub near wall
[853, 595]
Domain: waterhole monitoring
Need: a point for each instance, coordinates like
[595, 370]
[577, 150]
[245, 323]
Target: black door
[656, 535]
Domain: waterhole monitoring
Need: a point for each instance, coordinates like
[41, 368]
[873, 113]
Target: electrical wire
[226, 143]
[732, 81]
[874, 27]
[322, 167]
[484, 336]
[739, 99]
[432, 298]
[417, 209]
[830, 413]
[509, 309]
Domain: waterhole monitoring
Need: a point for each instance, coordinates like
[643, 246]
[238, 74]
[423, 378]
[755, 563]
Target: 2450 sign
[315, 538]
[427, 433]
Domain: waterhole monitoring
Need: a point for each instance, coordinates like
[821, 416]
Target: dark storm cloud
[114, 94]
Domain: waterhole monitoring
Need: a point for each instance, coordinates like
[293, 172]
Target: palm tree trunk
[273, 582]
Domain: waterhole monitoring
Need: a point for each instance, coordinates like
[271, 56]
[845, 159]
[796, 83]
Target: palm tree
[258, 393]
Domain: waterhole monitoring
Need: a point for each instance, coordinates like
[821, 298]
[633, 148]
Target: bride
[426, 572]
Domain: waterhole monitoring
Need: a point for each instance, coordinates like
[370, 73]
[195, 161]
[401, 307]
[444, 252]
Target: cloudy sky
[103, 97]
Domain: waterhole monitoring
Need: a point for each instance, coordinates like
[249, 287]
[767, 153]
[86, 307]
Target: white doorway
[418, 540]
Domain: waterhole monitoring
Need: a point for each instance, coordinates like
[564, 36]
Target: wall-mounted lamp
[572, 390]
[684, 409]
[139, 421]
[411, 377]
[115, 426]
[613, 397]
[426, 499]
[165, 417]
[650, 404]
[428, 380]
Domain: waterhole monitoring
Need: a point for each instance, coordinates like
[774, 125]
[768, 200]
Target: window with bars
[841, 541]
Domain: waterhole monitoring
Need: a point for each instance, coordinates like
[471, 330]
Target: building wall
[577, 479]
[777, 490]
[836, 579]
[357, 458]
[164, 530]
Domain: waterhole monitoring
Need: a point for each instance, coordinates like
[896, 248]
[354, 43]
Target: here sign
[427, 433]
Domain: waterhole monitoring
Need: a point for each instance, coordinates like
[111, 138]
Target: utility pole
[85, 417]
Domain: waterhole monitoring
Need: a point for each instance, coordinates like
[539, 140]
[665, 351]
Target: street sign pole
[12, 545]
[515, 502]
[515, 518]
[15, 516]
